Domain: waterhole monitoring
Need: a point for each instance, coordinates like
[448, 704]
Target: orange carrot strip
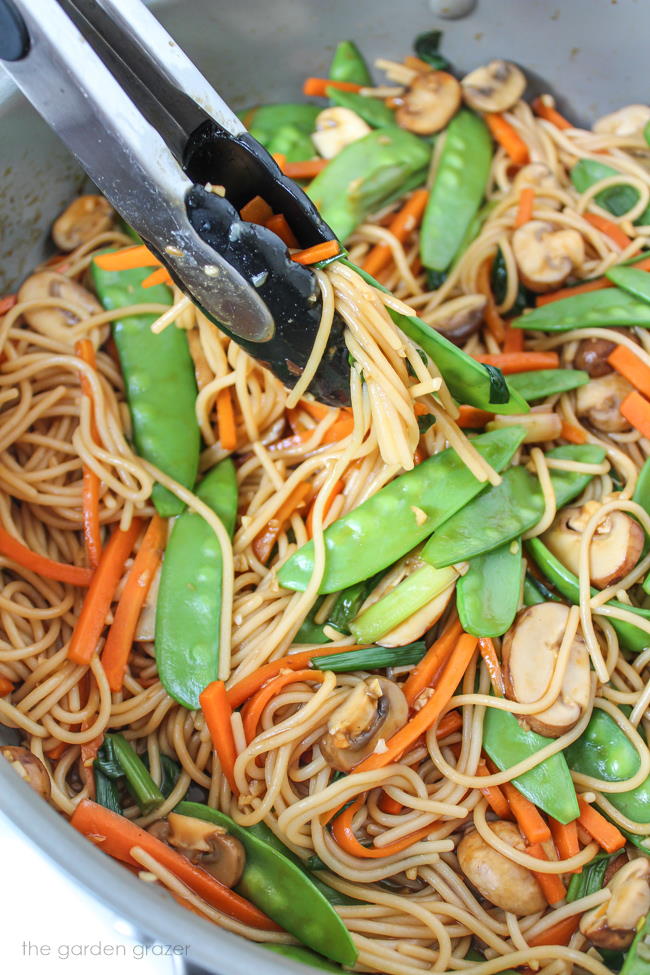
[599, 828]
[542, 110]
[318, 410]
[317, 87]
[471, 418]
[6, 687]
[7, 303]
[389, 805]
[514, 339]
[507, 137]
[565, 837]
[339, 430]
[120, 636]
[101, 593]
[512, 362]
[217, 711]
[161, 276]
[226, 419]
[495, 797]
[280, 226]
[90, 483]
[401, 226]
[55, 753]
[551, 883]
[489, 654]
[596, 285]
[526, 204]
[344, 835]
[417, 64]
[254, 709]
[630, 366]
[256, 210]
[319, 252]
[493, 319]
[127, 258]
[334, 493]
[528, 818]
[636, 411]
[294, 421]
[556, 934]
[280, 159]
[572, 433]
[117, 836]
[40, 564]
[264, 542]
[305, 169]
[424, 673]
[609, 228]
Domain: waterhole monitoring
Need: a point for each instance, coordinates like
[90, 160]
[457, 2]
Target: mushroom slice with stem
[545, 256]
[529, 654]
[591, 355]
[86, 217]
[614, 923]
[336, 128]
[616, 544]
[28, 767]
[494, 87]
[373, 711]
[429, 103]
[630, 120]
[208, 846]
[504, 883]
[599, 402]
[50, 284]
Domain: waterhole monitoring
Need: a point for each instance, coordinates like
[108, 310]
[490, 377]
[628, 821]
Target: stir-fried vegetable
[589, 309]
[617, 199]
[349, 64]
[547, 382]
[487, 595]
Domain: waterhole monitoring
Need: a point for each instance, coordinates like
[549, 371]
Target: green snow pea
[508, 510]
[592, 309]
[367, 174]
[605, 752]
[311, 632]
[468, 380]
[372, 110]
[536, 592]
[632, 638]
[547, 382]
[160, 385]
[632, 280]
[637, 958]
[304, 956]
[282, 890]
[348, 64]
[407, 598]
[642, 489]
[264, 121]
[487, 596]
[617, 199]
[188, 609]
[457, 190]
[549, 784]
[387, 526]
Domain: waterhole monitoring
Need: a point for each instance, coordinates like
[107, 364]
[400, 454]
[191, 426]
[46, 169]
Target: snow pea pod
[592, 309]
[160, 385]
[631, 637]
[188, 609]
[389, 524]
[617, 199]
[637, 957]
[283, 891]
[372, 110]
[642, 489]
[457, 191]
[348, 64]
[367, 174]
[264, 121]
[508, 510]
[547, 382]
[632, 280]
[468, 381]
[605, 752]
[487, 596]
[549, 784]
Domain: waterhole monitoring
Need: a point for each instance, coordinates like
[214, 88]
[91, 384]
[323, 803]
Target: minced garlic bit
[420, 515]
[380, 747]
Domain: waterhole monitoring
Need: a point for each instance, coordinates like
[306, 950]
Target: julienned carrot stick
[512, 362]
[226, 419]
[317, 87]
[493, 319]
[101, 592]
[495, 797]
[6, 687]
[264, 542]
[304, 169]
[319, 252]
[57, 751]
[126, 259]
[513, 340]
[254, 708]
[572, 433]
[600, 829]
[507, 137]
[280, 226]
[493, 667]
[344, 835]
[160, 276]
[333, 495]
[528, 818]
[90, 481]
[565, 837]
[7, 303]
[556, 934]
[401, 226]
[40, 564]
[424, 673]
[546, 111]
[117, 836]
[338, 431]
[217, 711]
[120, 636]
[630, 366]
[551, 883]
[596, 285]
[609, 228]
[471, 418]
[316, 410]
[636, 411]
[256, 210]
[526, 205]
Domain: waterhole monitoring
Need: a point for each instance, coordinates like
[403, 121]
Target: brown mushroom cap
[615, 548]
[210, 847]
[504, 883]
[29, 768]
[599, 403]
[336, 128]
[428, 104]
[49, 284]
[375, 709]
[86, 217]
[546, 256]
[529, 652]
[463, 323]
[591, 356]
[613, 924]
[494, 87]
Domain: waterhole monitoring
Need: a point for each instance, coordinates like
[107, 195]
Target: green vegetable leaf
[499, 392]
[590, 879]
[426, 47]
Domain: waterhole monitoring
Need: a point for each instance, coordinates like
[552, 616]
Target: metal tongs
[152, 133]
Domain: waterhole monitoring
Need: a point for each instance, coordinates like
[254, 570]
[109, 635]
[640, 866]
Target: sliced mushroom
[615, 549]
[206, 845]
[28, 767]
[336, 128]
[145, 630]
[429, 103]
[459, 318]
[546, 256]
[86, 217]
[494, 87]
[591, 356]
[504, 883]
[49, 284]
[529, 652]
[613, 924]
[540, 425]
[630, 120]
[375, 709]
[417, 625]
[599, 403]
[542, 179]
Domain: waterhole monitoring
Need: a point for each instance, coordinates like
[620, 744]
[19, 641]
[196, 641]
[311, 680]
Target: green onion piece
[372, 658]
[145, 791]
[407, 598]
[106, 793]
[590, 879]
